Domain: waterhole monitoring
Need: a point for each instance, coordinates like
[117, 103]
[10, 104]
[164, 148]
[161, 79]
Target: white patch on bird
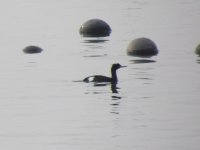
[90, 79]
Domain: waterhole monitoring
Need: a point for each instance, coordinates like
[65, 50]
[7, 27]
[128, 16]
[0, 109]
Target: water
[155, 104]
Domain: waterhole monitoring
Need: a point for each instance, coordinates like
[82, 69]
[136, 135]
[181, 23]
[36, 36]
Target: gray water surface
[155, 105]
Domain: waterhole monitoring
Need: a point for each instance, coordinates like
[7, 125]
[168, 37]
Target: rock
[95, 28]
[142, 47]
[32, 49]
[197, 50]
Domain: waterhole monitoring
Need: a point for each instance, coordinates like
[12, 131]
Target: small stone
[32, 49]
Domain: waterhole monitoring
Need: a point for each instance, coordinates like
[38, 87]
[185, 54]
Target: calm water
[156, 104]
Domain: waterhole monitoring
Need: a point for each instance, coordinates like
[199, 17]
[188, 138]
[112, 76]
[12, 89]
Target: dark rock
[142, 47]
[95, 28]
[32, 49]
[197, 50]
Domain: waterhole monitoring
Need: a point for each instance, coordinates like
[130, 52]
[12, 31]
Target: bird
[101, 78]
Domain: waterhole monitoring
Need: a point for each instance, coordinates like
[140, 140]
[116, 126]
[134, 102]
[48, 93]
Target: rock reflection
[198, 60]
[93, 45]
[103, 55]
[144, 73]
[141, 61]
[95, 40]
[145, 78]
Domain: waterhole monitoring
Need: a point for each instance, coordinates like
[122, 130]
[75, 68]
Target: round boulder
[142, 47]
[197, 50]
[95, 28]
[32, 49]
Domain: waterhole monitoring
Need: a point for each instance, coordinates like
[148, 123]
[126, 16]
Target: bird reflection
[115, 104]
[116, 97]
[113, 86]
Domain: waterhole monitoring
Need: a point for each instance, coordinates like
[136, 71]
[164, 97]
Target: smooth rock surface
[142, 47]
[95, 28]
[197, 50]
[32, 49]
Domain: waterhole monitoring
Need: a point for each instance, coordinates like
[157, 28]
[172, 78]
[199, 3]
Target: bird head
[117, 66]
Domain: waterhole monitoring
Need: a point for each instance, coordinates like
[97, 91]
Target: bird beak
[123, 66]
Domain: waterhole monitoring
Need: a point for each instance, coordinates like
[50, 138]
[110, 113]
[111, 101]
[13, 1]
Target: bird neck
[114, 75]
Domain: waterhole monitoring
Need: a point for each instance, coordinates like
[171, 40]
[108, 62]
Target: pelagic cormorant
[100, 78]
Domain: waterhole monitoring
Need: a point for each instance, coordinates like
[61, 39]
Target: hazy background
[157, 105]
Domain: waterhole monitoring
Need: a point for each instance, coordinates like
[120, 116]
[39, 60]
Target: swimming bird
[100, 78]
